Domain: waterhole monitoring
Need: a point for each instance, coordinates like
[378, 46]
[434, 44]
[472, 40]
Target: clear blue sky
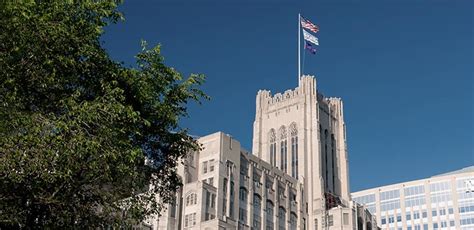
[403, 68]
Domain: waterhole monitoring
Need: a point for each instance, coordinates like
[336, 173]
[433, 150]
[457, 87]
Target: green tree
[81, 136]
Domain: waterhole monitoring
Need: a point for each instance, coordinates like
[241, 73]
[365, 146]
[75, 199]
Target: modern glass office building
[441, 202]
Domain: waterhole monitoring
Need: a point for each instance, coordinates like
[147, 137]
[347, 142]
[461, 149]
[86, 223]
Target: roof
[463, 170]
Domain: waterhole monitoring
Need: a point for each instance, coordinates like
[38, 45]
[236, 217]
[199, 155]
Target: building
[296, 176]
[444, 201]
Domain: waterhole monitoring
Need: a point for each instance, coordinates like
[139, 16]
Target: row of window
[443, 224]
[284, 150]
[416, 215]
[414, 190]
[208, 166]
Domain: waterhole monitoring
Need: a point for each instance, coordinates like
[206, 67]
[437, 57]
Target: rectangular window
[345, 218]
[384, 221]
[452, 223]
[408, 216]
[330, 220]
[442, 212]
[399, 218]
[204, 167]
[434, 213]
[450, 210]
[391, 219]
[444, 224]
[213, 200]
[425, 214]
[211, 166]
[435, 225]
[416, 215]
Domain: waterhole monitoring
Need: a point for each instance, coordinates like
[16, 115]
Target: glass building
[441, 202]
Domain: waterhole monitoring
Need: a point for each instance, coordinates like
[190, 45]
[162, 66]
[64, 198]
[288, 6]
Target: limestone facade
[295, 177]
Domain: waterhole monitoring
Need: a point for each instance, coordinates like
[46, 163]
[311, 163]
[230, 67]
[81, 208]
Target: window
[204, 167]
[269, 218]
[283, 149]
[444, 224]
[399, 218]
[294, 150]
[391, 219]
[345, 218]
[408, 216]
[231, 208]
[243, 194]
[330, 220]
[434, 213]
[213, 200]
[191, 199]
[416, 215]
[272, 146]
[257, 205]
[293, 221]
[211, 166]
[384, 221]
[442, 212]
[243, 215]
[210, 203]
[435, 225]
[425, 214]
[315, 224]
[281, 218]
[190, 220]
[211, 181]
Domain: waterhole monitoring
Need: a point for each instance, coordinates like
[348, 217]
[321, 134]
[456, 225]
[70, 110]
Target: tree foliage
[84, 141]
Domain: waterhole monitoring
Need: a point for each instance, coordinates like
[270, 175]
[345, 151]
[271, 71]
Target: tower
[303, 134]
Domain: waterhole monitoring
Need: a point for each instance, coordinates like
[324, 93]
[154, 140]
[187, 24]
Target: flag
[308, 25]
[310, 48]
[310, 38]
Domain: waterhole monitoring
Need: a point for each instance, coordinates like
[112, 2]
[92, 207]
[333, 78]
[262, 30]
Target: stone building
[296, 176]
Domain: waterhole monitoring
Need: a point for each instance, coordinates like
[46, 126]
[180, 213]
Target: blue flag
[310, 47]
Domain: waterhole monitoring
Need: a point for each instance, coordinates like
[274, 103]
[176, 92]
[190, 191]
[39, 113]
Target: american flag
[309, 25]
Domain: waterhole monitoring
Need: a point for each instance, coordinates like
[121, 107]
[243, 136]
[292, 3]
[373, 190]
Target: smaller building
[440, 202]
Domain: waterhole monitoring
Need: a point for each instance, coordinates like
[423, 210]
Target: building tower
[303, 134]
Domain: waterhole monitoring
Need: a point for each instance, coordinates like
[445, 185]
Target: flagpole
[299, 48]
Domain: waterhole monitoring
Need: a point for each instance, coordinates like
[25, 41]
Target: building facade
[440, 202]
[296, 176]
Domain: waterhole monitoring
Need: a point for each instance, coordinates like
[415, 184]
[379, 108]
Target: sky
[404, 70]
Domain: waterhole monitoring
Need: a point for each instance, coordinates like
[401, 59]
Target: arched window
[257, 205]
[283, 149]
[272, 146]
[281, 218]
[294, 150]
[269, 218]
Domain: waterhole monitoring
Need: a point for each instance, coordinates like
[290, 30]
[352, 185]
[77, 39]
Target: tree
[82, 136]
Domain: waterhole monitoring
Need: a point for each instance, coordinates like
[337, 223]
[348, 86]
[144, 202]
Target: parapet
[307, 85]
